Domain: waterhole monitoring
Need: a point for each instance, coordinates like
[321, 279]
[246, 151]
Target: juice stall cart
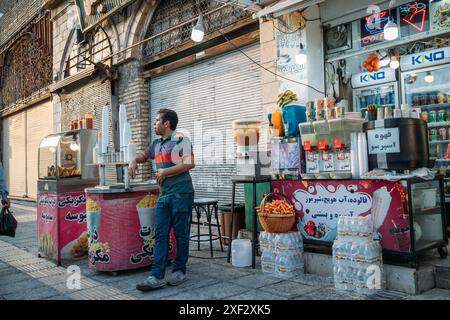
[121, 227]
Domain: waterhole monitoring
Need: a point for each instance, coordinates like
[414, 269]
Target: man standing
[174, 158]
[3, 188]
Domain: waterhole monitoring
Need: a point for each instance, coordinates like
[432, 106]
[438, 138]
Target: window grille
[173, 13]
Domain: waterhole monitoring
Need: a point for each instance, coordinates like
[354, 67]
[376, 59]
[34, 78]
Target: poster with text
[318, 205]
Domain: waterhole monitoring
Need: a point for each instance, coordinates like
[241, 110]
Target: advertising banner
[121, 230]
[318, 205]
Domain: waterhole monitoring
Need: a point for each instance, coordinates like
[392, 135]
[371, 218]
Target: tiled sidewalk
[25, 276]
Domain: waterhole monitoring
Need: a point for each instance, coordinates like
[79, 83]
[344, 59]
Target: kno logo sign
[428, 57]
[372, 76]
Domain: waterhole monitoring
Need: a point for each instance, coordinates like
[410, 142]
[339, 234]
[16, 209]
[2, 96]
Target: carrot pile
[277, 207]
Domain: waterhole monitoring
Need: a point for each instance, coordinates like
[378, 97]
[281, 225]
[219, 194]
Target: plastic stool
[208, 206]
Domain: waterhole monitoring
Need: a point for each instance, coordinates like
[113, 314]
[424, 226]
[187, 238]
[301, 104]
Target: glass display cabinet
[65, 166]
[68, 155]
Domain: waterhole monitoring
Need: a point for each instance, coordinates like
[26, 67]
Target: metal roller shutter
[215, 91]
[14, 157]
[39, 125]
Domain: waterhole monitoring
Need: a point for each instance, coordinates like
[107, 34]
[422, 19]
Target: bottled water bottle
[268, 261]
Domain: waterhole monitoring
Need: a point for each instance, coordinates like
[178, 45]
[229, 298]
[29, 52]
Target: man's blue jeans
[172, 210]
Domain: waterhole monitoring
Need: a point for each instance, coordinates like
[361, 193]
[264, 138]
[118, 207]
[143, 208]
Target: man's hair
[169, 115]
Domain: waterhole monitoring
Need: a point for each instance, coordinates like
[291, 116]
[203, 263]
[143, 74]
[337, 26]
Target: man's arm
[187, 163]
[132, 167]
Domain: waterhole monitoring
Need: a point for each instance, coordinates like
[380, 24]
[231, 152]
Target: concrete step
[442, 277]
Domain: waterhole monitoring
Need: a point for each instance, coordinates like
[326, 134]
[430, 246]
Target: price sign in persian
[383, 141]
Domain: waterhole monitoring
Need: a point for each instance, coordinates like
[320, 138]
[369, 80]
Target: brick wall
[133, 93]
[18, 17]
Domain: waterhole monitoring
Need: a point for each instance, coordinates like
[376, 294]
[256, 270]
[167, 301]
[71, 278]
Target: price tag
[383, 141]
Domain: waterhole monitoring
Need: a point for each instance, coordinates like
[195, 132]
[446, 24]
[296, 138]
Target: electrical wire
[274, 73]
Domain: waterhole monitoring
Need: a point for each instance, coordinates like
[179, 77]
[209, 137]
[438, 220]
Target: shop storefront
[216, 85]
[22, 133]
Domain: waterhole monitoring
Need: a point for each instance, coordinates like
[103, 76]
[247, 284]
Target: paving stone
[434, 294]
[256, 295]
[27, 283]
[329, 294]
[314, 280]
[10, 279]
[222, 290]
[222, 273]
[289, 289]
[257, 280]
[168, 291]
[33, 294]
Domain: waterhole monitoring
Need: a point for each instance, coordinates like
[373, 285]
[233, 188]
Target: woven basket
[276, 223]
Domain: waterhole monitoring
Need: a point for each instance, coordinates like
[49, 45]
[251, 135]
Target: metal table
[243, 180]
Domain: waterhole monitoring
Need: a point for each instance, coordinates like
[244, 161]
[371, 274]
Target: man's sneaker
[150, 283]
[176, 278]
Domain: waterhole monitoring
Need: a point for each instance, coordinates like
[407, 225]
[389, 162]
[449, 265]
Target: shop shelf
[428, 211]
[434, 106]
[439, 141]
[438, 124]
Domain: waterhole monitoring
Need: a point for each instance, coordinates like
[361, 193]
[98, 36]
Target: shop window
[88, 49]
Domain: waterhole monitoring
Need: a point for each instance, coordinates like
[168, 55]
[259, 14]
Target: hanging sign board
[371, 78]
[385, 140]
[425, 59]
[414, 18]
[92, 12]
[372, 27]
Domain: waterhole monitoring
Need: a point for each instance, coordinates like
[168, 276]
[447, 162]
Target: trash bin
[225, 220]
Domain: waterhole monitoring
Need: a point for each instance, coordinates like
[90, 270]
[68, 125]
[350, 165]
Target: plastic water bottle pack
[357, 259]
[282, 254]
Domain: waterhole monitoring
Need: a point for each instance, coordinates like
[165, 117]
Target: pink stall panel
[121, 235]
[62, 225]
[319, 203]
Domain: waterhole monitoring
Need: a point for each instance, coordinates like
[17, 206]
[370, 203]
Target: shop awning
[286, 7]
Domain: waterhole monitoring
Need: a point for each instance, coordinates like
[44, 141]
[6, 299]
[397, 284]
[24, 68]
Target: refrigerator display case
[65, 170]
[380, 88]
[425, 85]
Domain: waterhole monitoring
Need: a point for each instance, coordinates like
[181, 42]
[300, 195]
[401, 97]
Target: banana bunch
[286, 97]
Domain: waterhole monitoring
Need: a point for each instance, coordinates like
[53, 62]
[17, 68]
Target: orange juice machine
[250, 161]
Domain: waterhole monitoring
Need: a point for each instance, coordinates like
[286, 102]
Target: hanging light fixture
[390, 30]
[395, 61]
[385, 60]
[198, 31]
[429, 78]
[300, 57]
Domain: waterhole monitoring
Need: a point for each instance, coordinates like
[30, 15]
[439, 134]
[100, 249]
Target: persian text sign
[319, 203]
[383, 141]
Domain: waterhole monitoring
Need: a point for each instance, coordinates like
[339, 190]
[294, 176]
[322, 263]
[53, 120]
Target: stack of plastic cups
[282, 254]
